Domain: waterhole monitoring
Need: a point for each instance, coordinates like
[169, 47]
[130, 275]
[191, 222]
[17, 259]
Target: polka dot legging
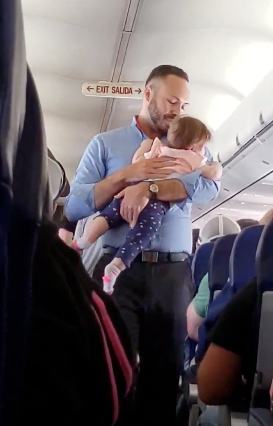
[138, 238]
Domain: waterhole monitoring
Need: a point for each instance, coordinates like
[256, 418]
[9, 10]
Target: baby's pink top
[187, 160]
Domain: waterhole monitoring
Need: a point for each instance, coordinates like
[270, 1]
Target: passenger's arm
[212, 171]
[231, 347]
[219, 374]
[266, 218]
[193, 322]
[145, 147]
[197, 309]
[66, 236]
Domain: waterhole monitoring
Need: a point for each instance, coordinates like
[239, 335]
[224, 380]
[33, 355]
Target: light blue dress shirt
[111, 151]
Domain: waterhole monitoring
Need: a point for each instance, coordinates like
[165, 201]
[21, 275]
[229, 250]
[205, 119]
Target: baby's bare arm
[144, 147]
[213, 171]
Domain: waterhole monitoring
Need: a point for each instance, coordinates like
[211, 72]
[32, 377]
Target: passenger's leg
[210, 416]
[162, 338]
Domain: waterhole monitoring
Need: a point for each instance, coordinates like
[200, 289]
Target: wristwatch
[153, 188]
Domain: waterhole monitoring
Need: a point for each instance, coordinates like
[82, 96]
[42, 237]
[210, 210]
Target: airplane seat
[242, 260]
[219, 264]
[59, 185]
[23, 197]
[263, 319]
[241, 270]
[260, 417]
[191, 259]
[200, 263]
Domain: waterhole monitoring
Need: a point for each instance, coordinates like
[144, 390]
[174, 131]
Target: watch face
[154, 188]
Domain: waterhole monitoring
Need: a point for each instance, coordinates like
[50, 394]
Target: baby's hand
[156, 148]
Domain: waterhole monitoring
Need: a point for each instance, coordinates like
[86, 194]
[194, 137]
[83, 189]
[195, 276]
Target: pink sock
[111, 274]
[75, 246]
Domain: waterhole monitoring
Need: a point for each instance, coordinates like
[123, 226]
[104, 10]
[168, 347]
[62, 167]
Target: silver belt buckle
[150, 256]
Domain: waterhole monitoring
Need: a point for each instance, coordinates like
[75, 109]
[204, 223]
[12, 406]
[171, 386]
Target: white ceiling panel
[226, 46]
[70, 51]
[96, 16]
[63, 97]
[182, 15]
[61, 133]
[215, 42]
[123, 112]
[69, 42]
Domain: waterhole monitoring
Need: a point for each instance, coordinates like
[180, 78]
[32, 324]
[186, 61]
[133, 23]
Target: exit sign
[113, 90]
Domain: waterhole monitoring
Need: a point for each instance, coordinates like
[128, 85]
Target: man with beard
[153, 295]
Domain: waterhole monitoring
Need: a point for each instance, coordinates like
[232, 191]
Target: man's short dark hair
[163, 71]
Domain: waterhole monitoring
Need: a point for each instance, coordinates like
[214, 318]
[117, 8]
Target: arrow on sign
[113, 90]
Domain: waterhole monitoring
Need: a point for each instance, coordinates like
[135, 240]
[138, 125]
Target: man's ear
[147, 93]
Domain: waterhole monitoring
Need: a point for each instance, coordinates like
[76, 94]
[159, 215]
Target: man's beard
[160, 121]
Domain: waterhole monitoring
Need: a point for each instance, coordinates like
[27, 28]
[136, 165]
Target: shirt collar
[135, 123]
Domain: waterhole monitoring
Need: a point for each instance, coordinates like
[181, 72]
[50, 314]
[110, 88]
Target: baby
[186, 141]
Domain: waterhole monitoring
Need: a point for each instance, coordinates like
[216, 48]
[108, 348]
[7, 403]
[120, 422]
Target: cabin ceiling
[251, 203]
[226, 47]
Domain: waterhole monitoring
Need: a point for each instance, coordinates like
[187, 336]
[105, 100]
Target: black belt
[153, 256]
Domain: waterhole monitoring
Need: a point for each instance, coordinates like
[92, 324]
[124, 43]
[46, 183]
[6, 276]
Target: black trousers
[153, 299]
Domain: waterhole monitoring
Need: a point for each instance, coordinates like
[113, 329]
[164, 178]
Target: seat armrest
[193, 394]
[260, 417]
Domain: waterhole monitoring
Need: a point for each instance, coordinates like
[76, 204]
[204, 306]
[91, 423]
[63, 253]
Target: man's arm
[191, 186]
[89, 190]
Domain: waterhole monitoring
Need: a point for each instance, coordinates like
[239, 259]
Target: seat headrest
[264, 259]
[219, 262]
[200, 264]
[56, 178]
[242, 260]
[59, 185]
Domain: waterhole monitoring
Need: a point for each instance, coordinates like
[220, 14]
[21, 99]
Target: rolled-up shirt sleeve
[198, 188]
[80, 202]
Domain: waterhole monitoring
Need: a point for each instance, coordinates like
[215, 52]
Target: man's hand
[135, 199]
[153, 168]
